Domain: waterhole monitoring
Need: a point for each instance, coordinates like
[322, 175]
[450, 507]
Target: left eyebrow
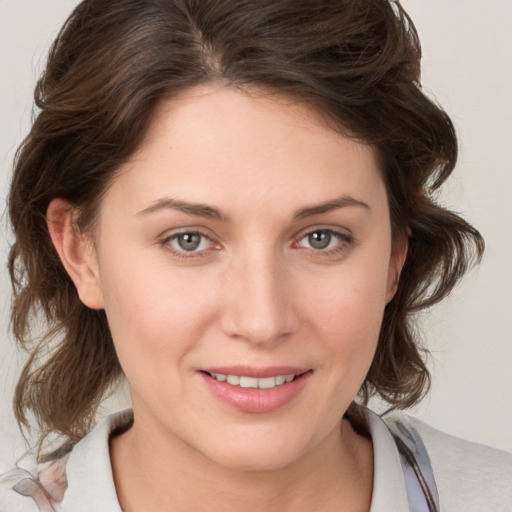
[341, 202]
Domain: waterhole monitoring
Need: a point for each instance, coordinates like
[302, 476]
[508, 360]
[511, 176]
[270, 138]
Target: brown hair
[358, 61]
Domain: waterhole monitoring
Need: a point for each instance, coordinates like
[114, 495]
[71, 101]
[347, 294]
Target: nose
[257, 304]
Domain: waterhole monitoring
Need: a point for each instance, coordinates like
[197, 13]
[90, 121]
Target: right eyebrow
[197, 209]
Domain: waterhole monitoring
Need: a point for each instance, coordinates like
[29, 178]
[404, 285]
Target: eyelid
[197, 230]
[343, 233]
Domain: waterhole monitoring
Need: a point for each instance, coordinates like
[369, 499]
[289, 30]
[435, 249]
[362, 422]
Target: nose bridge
[258, 306]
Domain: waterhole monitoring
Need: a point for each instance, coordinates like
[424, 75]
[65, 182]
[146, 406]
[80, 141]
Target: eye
[319, 239]
[324, 240]
[189, 242]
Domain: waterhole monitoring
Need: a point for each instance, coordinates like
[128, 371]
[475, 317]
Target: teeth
[269, 382]
[248, 382]
[234, 380]
[253, 382]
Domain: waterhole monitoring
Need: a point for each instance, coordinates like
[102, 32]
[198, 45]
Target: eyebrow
[341, 202]
[197, 209]
[209, 212]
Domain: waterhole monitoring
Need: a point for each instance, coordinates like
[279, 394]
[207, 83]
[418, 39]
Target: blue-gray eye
[320, 239]
[189, 241]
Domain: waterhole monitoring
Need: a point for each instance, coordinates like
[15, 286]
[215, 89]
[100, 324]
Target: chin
[260, 450]
[255, 461]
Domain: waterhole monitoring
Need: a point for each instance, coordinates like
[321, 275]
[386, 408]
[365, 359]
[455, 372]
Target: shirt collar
[89, 472]
[389, 492]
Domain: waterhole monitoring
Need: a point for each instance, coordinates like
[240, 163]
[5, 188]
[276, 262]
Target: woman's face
[244, 244]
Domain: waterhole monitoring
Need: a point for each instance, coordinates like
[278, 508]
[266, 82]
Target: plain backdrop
[467, 66]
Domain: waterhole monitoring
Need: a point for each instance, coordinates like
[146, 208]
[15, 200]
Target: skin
[255, 292]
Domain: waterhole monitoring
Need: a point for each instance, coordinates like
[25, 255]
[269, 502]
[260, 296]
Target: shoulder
[469, 476]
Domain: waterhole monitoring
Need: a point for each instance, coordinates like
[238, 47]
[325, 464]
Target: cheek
[353, 298]
[346, 312]
[155, 315]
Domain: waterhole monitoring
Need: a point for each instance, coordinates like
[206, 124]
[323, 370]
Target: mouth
[256, 390]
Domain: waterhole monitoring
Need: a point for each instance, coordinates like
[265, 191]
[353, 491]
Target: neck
[158, 472]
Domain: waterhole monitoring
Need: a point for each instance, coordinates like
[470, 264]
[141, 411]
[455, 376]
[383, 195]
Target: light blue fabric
[418, 474]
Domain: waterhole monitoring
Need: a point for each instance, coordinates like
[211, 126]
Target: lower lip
[256, 400]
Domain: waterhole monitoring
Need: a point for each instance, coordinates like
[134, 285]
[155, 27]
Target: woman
[232, 205]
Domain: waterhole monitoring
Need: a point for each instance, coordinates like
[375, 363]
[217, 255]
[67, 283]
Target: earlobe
[76, 252]
[396, 264]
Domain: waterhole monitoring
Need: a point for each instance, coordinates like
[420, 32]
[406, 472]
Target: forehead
[222, 145]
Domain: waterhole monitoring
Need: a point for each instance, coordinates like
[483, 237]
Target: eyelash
[344, 240]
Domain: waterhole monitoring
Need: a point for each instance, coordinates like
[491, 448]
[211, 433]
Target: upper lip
[256, 372]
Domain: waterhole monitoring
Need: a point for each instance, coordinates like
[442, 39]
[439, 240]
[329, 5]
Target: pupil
[189, 241]
[320, 239]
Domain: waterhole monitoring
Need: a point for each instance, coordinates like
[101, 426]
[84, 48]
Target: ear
[396, 263]
[76, 251]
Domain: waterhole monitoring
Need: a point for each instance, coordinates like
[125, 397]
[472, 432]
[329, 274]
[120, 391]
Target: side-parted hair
[115, 61]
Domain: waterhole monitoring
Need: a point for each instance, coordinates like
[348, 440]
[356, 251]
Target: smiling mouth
[243, 381]
[256, 390]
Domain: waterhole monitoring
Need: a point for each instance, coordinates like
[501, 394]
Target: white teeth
[248, 382]
[234, 380]
[269, 382]
[253, 382]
